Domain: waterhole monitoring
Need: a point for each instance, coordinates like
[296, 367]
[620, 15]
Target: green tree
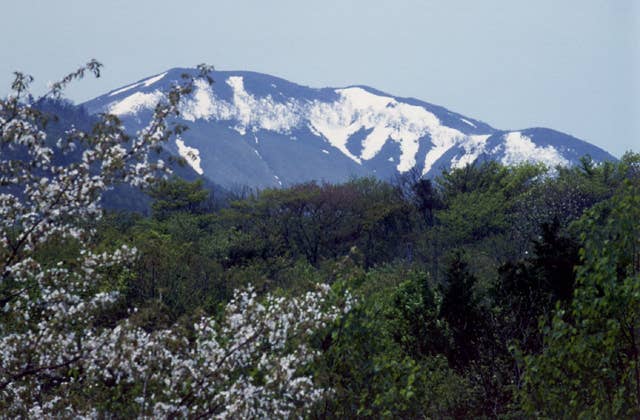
[380, 360]
[590, 363]
[462, 312]
[529, 288]
[177, 195]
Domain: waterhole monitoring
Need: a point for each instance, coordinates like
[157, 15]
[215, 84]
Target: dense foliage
[490, 291]
[470, 288]
[69, 343]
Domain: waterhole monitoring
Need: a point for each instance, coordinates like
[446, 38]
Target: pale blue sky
[571, 65]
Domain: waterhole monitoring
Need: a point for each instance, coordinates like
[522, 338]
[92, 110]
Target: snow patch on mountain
[147, 82]
[359, 109]
[264, 112]
[359, 122]
[191, 155]
[520, 148]
[473, 147]
[439, 148]
[248, 111]
[464, 120]
[202, 104]
[356, 109]
[135, 103]
[124, 89]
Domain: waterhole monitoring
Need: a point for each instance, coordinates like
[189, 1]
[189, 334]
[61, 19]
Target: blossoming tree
[58, 357]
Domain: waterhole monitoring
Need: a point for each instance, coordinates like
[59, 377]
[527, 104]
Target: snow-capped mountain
[262, 131]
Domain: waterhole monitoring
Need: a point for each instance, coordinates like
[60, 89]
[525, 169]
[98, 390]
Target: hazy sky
[571, 65]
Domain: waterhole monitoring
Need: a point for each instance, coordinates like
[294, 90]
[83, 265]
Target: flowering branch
[56, 358]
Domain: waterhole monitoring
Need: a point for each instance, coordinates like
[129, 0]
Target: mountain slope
[262, 131]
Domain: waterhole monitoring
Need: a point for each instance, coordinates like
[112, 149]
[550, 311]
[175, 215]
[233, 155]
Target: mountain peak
[260, 130]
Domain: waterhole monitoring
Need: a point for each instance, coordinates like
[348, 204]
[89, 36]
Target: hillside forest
[489, 291]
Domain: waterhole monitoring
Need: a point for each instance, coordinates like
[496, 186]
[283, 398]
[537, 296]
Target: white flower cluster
[56, 352]
[246, 366]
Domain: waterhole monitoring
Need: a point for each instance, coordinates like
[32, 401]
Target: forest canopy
[489, 291]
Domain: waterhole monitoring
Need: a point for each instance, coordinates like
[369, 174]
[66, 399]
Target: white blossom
[248, 364]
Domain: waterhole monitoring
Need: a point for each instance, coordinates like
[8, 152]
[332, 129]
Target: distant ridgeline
[256, 130]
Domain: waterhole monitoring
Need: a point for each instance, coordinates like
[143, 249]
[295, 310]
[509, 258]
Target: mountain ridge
[254, 129]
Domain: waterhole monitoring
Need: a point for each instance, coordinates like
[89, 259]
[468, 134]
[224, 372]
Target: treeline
[491, 291]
